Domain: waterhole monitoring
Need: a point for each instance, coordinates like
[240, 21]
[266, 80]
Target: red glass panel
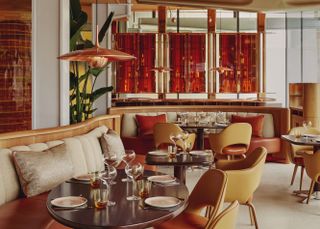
[147, 53]
[136, 75]
[247, 62]
[228, 59]
[238, 52]
[126, 71]
[15, 75]
[187, 61]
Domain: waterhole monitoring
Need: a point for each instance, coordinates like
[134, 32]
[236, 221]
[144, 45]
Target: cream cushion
[40, 171]
[9, 182]
[129, 126]
[111, 144]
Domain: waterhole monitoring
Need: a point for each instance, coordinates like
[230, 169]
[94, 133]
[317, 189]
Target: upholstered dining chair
[295, 152]
[244, 178]
[162, 132]
[312, 165]
[208, 192]
[233, 141]
[226, 219]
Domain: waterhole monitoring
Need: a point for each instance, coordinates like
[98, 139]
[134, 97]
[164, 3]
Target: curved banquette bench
[276, 122]
[82, 144]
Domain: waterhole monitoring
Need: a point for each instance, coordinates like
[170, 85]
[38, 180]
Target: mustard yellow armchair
[244, 178]
[295, 151]
[232, 141]
[226, 219]
[208, 192]
[312, 165]
[162, 132]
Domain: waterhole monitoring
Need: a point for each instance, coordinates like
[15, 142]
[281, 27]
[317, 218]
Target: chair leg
[254, 216]
[301, 177]
[310, 190]
[294, 174]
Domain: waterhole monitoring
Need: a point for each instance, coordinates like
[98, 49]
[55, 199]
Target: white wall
[45, 66]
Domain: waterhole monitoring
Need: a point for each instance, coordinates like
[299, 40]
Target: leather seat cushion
[184, 221]
[141, 145]
[27, 213]
[236, 149]
[272, 145]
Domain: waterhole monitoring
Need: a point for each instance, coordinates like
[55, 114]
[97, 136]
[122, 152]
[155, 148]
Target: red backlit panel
[126, 71]
[187, 61]
[238, 54]
[136, 76]
[228, 59]
[147, 53]
[247, 62]
[15, 75]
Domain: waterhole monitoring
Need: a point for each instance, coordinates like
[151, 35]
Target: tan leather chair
[312, 165]
[208, 192]
[232, 141]
[244, 178]
[227, 218]
[295, 152]
[162, 132]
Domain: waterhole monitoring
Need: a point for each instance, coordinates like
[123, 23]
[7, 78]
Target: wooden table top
[125, 214]
[180, 160]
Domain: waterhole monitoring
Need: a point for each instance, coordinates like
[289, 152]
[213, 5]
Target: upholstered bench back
[84, 150]
[129, 126]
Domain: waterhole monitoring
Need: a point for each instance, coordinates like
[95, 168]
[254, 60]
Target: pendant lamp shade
[97, 56]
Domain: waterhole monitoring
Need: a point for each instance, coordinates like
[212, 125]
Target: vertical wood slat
[162, 19]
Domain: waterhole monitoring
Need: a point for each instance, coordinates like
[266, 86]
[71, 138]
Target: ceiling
[246, 5]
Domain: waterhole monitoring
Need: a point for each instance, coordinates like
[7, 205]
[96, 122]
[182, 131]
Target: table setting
[144, 197]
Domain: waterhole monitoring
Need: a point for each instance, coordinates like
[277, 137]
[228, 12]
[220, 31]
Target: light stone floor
[276, 207]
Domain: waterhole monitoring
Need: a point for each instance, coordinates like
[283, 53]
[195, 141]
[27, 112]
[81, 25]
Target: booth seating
[83, 148]
[275, 123]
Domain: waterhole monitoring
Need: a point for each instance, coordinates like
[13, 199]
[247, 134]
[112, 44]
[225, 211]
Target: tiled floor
[276, 207]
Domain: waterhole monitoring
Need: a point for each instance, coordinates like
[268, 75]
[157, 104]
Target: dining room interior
[159, 114]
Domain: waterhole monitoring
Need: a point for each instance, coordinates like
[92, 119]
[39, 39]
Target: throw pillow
[111, 145]
[256, 123]
[41, 171]
[146, 123]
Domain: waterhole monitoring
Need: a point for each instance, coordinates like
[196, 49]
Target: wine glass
[110, 174]
[127, 158]
[103, 193]
[134, 171]
[111, 159]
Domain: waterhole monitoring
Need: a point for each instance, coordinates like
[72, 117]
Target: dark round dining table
[200, 127]
[180, 163]
[125, 214]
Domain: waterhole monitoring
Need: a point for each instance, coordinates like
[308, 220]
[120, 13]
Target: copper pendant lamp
[97, 56]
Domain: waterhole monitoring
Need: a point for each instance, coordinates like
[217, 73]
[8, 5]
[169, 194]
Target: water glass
[101, 195]
[142, 188]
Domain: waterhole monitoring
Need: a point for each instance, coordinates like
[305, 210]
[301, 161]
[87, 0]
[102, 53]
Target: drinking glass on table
[127, 158]
[134, 171]
[110, 174]
[101, 195]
